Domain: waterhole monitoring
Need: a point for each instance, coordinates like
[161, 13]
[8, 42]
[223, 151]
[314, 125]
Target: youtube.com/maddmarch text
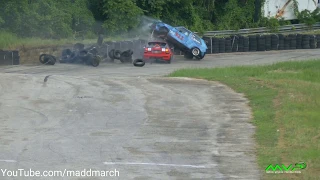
[59, 173]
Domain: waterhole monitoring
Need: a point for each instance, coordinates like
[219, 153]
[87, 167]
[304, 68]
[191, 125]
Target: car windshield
[183, 30]
[161, 44]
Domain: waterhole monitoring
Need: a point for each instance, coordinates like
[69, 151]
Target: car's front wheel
[195, 52]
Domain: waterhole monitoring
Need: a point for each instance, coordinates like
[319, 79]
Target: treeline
[65, 18]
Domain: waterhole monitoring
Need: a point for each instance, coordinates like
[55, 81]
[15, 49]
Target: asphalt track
[118, 116]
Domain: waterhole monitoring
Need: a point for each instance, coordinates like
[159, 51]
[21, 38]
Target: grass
[285, 100]
[10, 41]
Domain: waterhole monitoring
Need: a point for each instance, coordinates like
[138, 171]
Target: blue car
[182, 38]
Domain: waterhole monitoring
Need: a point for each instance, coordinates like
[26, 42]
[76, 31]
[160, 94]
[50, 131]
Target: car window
[151, 44]
[196, 38]
[183, 30]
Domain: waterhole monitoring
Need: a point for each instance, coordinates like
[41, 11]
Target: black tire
[139, 63]
[222, 45]
[268, 42]
[111, 54]
[95, 60]
[47, 59]
[126, 56]
[117, 54]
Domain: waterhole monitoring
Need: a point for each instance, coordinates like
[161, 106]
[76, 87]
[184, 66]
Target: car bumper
[160, 57]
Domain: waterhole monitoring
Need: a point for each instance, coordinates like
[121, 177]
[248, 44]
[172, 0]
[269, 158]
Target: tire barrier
[306, 42]
[253, 43]
[235, 43]
[299, 41]
[228, 47]
[274, 42]
[215, 45]
[313, 41]
[222, 45]
[261, 42]
[318, 40]
[293, 41]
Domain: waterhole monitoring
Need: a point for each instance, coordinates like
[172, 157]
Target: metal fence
[283, 29]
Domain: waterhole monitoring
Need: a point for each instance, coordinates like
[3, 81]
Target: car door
[181, 35]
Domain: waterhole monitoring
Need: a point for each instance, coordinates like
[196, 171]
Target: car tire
[195, 52]
[139, 63]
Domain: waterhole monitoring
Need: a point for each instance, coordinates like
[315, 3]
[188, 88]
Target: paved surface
[117, 116]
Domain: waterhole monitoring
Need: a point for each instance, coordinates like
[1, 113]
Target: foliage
[69, 18]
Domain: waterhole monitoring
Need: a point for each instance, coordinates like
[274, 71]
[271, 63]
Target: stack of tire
[222, 45]
[281, 42]
[234, 43]
[228, 44]
[208, 40]
[313, 42]
[253, 44]
[299, 41]
[261, 42]
[215, 45]
[287, 42]
[318, 41]
[305, 42]
[293, 41]
[274, 42]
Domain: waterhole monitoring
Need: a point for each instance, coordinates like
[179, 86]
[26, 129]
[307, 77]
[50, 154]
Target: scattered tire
[47, 59]
[126, 56]
[139, 63]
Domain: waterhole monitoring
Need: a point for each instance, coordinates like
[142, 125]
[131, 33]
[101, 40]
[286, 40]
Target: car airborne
[182, 38]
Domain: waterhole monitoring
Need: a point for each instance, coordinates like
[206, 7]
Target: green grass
[285, 100]
[10, 41]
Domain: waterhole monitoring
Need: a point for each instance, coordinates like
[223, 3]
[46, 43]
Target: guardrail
[283, 29]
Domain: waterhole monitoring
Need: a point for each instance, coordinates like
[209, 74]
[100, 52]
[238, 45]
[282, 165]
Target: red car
[158, 51]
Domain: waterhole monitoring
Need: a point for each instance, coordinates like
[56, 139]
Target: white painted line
[156, 164]
[8, 161]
